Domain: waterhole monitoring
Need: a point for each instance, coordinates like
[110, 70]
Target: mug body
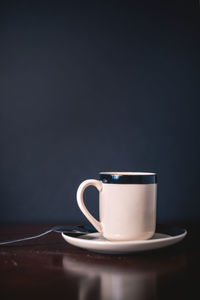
[127, 205]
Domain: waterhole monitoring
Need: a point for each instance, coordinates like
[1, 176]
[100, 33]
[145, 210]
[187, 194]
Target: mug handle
[81, 204]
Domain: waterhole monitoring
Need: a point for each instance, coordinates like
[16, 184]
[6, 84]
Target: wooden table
[49, 268]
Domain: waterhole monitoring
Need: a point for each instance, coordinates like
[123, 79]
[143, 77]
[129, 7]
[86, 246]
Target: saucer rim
[135, 242]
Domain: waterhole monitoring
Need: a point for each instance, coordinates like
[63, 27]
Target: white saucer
[164, 236]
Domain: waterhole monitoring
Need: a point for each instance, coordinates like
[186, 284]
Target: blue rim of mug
[128, 177]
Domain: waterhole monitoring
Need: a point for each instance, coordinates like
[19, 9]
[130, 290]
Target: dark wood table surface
[49, 268]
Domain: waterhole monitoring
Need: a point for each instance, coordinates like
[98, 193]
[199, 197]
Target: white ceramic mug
[127, 205]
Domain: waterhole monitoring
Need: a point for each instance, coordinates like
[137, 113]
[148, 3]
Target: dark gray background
[100, 86]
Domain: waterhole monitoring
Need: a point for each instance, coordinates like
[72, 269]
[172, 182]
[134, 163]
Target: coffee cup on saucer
[127, 205]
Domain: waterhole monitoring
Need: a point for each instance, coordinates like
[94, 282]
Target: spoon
[70, 230]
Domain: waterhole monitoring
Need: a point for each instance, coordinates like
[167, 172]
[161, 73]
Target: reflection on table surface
[120, 278]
